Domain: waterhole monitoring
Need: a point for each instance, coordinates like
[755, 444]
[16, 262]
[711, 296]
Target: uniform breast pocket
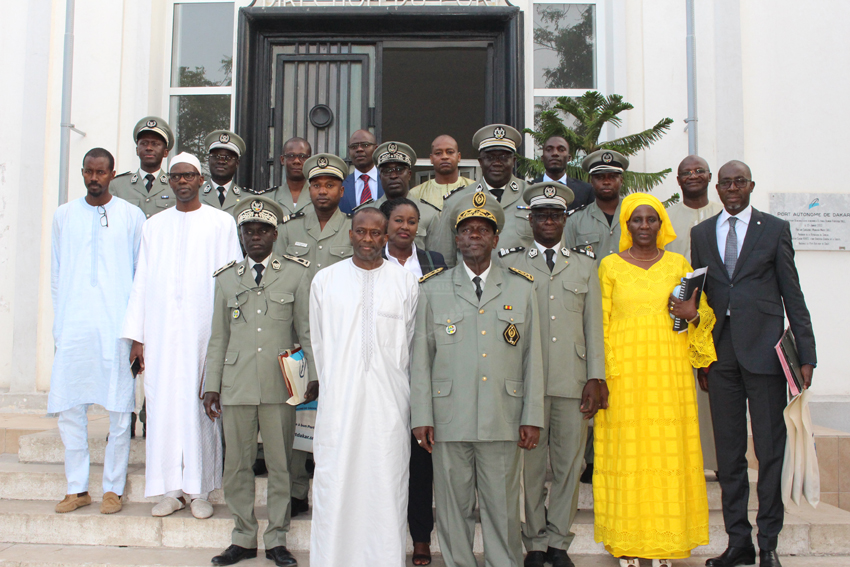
[588, 241]
[341, 251]
[236, 307]
[523, 227]
[164, 203]
[280, 306]
[296, 249]
[573, 296]
[442, 402]
[512, 326]
[448, 328]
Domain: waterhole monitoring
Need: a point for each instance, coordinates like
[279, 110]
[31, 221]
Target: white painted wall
[759, 63]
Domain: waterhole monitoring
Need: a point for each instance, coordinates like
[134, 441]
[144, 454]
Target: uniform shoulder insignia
[431, 274]
[286, 218]
[574, 211]
[431, 204]
[258, 191]
[505, 251]
[526, 275]
[122, 174]
[221, 269]
[453, 191]
[297, 260]
[582, 250]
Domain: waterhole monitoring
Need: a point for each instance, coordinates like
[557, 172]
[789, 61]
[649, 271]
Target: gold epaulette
[221, 269]
[431, 274]
[526, 275]
[297, 260]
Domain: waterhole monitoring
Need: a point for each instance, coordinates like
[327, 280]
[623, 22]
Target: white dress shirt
[562, 180]
[252, 263]
[226, 186]
[543, 249]
[373, 184]
[411, 264]
[740, 229]
[141, 173]
[472, 275]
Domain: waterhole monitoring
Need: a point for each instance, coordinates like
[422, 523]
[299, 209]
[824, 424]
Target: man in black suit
[556, 155]
[752, 283]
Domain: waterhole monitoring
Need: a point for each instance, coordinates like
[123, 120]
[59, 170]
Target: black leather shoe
[281, 556]
[535, 559]
[559, 558]
[298, 506]
[259, 467]
[734, 556]
[768, 559]
[587, 476]
[234, 554]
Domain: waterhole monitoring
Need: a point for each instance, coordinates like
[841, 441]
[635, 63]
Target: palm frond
[674, 198]
[634, 181]
[633, 143]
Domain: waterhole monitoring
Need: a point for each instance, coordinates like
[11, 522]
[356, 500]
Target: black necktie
[221, 195]
[497, 193]
[259, 269]
[550, 259]
[478, 291]
[148, 182]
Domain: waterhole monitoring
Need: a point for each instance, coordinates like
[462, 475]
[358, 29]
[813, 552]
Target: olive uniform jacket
[252, 324]
[130, 187]
[477, 371]
[209, 196]
[516, 232]
[301, 235]
[589, 229]
[570, 302]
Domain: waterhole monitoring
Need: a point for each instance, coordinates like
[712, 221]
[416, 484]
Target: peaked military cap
[225, 139]
[156, 125]
[394, 152]
[480, 205]
[497, 137]
[605, 161]
[325, 164]
[548, 194]
[258, 209]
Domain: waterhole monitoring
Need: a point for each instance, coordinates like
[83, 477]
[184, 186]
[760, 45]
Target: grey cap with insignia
[605, 161]
[325, 164]
[394, 152]
[225, 139]
[156, 125]
[550, 194]
[497, 137]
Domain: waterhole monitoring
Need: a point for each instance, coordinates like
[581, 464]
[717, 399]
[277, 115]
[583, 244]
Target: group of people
[458, 337]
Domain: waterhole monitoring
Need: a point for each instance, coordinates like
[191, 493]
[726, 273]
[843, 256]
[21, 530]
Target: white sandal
[662, 563]
[633, 562]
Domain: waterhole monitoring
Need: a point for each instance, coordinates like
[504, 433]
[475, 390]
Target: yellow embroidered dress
[648, 481]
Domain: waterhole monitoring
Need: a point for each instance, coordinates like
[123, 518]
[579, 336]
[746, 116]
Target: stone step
[33, 555]
[46, 481]
[825, 531]
[47, 447]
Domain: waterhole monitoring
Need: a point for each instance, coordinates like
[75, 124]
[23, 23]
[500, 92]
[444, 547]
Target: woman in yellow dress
[648, 483]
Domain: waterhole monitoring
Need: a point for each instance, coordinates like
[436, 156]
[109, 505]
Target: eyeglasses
[693, 172]
[390, 171]
[302, 157]
[740, 183]
[553, 216]
[501, 158]
[223, 158]
[188, 176]
[104, 220]
[358, 145]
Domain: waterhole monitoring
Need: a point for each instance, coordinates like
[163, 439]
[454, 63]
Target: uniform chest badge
[511, 335]
[275, 264]
[241, 270]
[235, 313]
[163, 179]
[135, 178]
[532, 253]
[451, 329]
[565, 251]
[207, 189]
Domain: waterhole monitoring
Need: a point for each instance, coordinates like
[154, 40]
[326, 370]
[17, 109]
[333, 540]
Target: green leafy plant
[590, 113]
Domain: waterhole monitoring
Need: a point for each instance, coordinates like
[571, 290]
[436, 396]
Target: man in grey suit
[752, 283]
[570, 302]
[477, 388]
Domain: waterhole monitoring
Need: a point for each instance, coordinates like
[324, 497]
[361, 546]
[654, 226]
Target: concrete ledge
[47, 447]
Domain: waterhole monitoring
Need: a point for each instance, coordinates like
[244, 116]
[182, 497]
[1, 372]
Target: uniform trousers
[420, 511]
[562, 439]
[241, 425]
[73, 428]
[493, 468]
[730, 388]
[299, 474]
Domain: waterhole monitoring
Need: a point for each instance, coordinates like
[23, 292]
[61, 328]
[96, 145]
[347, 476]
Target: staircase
[32, 534]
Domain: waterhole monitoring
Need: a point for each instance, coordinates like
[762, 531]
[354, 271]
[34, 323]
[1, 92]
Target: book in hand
[692, 281]
[786, 350]
[293, 364]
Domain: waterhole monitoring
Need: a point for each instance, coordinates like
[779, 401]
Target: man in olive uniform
[292, 195]
[394, 161]
[477, 387]
[148, 188]
[497, 145]
[318, 234]
[570, 302]
[596, 228]
[261, 309]
[225, 149]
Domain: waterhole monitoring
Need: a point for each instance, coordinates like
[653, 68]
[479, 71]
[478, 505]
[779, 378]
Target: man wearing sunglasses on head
[224, 149]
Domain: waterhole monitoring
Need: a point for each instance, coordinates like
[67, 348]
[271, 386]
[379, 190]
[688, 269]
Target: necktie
[259, 269]
[221, 196]
[478, 291]
[497, 193]
[550, 259]
[367, 193]
[730, 258]
[148, 182]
